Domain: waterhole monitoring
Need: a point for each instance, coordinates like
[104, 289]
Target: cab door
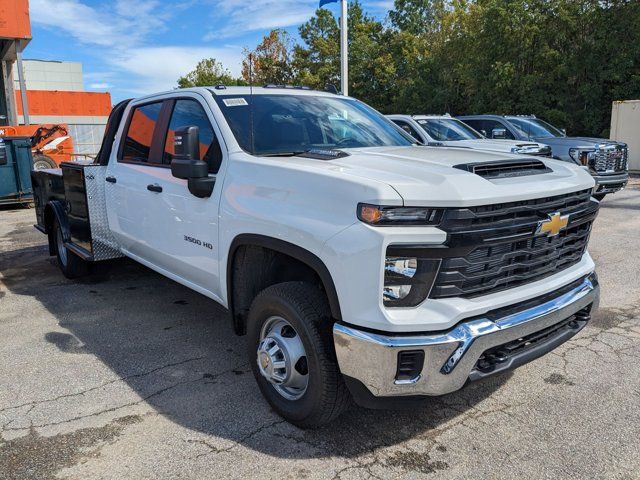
[153, 215]
[184, 228]
[133, 166]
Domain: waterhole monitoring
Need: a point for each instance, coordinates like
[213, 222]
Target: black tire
[71, 265]
[41, 162]
[599, 196]
[305, 308]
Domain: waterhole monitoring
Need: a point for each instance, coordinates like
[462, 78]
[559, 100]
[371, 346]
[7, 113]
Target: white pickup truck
[358, 264]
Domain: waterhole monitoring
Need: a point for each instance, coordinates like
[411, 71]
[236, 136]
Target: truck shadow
[176, 350]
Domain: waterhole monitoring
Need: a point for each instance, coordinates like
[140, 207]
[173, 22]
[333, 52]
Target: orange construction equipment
[50, 144]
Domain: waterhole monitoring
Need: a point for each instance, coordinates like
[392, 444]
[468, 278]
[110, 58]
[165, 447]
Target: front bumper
[452, 358]
[610, 183]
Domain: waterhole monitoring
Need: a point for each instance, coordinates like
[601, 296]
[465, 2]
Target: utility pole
[344, 44]
[23, 84]
[344, 50]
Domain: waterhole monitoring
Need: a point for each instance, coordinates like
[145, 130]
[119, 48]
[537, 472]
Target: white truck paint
[292, 240]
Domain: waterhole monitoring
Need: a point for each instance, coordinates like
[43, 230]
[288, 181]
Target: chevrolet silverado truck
[358, 264]
[443, 130]
[605, 159]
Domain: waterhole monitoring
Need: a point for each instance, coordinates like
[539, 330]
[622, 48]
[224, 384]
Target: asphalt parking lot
[127, 374]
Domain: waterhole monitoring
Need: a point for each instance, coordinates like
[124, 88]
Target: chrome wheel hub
[282, 359]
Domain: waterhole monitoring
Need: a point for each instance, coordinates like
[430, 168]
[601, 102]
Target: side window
[408, 128]
[490, 125]
[137, 143]
[190, 113]
[476, 125]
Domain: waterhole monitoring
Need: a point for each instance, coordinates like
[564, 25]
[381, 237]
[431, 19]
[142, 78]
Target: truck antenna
[253, 146]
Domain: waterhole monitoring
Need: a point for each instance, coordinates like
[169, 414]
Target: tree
[417, 16]
[564, 60]
[208, 72]
[270, 61]
[317, 61]
[371, 67]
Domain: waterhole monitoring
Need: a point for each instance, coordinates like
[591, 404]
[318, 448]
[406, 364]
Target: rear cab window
[140, 130]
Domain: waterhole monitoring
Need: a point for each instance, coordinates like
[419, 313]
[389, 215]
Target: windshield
[292, 124]
[534, 127]
[448, 129]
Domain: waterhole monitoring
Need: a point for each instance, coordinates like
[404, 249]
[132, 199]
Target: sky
[134, 47]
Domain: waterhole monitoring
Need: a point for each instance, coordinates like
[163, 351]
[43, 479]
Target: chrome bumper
[610, 183]
[451, 357]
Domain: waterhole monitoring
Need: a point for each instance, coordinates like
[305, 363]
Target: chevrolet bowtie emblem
[554, 225]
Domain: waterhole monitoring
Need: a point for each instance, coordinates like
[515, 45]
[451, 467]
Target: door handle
[154, 187]
[111, 179]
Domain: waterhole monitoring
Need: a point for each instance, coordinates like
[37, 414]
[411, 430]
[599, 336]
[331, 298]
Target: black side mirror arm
[201, 187]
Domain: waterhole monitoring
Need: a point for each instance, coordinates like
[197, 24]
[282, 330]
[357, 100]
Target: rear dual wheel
[72, 266]
[290, 348]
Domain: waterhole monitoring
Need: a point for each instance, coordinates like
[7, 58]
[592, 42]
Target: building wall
[52, 75]
[625, 127]
[66, 103]
[14, 19]
[55, 94]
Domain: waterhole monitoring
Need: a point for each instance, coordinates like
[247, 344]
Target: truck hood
[573, 142]
[425, 176]
[495, 145]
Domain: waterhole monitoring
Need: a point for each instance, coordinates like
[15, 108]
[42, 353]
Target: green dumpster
[16, 164]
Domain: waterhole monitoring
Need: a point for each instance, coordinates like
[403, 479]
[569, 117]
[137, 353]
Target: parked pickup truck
[442, 130]
[358, 264]
[605, 159]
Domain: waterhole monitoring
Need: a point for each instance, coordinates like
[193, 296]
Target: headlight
[407, 279]
[581, 156]
[380, 216]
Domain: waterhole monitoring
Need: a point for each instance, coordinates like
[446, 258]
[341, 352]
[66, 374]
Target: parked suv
[606, 159]
[443, 130]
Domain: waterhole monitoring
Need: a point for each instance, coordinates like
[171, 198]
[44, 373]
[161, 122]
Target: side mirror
[564, 131]
[483, 132]
[186, 163]
[499, 133]
[3, 153]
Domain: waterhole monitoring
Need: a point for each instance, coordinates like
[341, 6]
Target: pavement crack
[33, 404]
[130, 404]
[236, 443]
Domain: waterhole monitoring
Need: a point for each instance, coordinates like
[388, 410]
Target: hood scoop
[505, 168]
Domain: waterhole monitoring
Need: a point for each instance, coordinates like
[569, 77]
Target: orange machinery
[50, 144]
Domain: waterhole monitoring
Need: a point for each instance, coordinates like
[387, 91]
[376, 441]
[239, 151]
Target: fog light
[407, 280]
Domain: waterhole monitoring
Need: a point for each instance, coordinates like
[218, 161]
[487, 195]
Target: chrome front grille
[609, 159]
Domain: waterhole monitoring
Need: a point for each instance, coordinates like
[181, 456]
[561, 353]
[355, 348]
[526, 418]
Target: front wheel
[290, 348]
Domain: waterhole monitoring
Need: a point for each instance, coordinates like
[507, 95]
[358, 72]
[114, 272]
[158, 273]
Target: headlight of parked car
[581, 156]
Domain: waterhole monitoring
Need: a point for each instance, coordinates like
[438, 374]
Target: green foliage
[208, 72]
[564, 60]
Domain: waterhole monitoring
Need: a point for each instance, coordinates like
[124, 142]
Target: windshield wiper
[283, 154]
